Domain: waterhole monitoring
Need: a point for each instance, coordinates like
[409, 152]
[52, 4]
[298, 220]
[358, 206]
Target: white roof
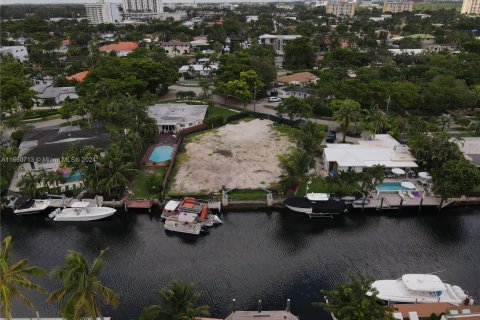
[383, 150]
[406, 51]
[197, 67]
[171, 205]
[423, 282]
[317, 196]
[177, 113]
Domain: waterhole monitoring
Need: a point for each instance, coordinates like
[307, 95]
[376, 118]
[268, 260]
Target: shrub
[215, 121]
[154, 183]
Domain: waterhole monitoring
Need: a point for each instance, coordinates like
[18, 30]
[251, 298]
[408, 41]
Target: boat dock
[138, 204]
[67, 202]
[393, 201]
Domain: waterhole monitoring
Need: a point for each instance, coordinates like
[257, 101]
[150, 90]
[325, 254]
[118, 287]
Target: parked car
[274, 99]
[331, 136]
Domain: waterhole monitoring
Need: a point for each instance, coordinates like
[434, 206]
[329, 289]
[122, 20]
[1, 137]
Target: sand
[243, 155]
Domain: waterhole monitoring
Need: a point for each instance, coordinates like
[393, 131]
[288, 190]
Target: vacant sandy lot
[242, 155]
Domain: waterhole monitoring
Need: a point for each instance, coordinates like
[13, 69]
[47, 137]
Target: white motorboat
[173, 224]
[419, 288]
[82, 214]
[170, 209]
[316, 205]
[28, 206]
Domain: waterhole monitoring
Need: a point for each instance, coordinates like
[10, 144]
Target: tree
[310, 137]
[116, 171]
[351, 301]
[372, 121]
[295, 165]
[346, 111]
[445, 121]
[299, 54]
[239, 90]
[82, 290]
[456, 178]
[433, 150]
[177, 302]
[252, 79]
[28, 183]
[446, 92]
[14, 276]
[293, 107]
[405, 95]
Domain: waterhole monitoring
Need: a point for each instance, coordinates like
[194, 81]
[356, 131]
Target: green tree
[405, 95]
[177, 302]
[299, 54]
[346, 112]
[82, 290]
[293, 107]
[295, 165]
[372, 121]
[351, 302]
[446, 92]
[14, 277]
[252, 79]
[310, 137]
[456, 178]
[116, 171]
[433, 150]
[28, 183]
[239, 90]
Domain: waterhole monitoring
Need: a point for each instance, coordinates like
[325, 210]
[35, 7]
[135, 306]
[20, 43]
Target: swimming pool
[392, 186]
[76, 176]
[161, 154]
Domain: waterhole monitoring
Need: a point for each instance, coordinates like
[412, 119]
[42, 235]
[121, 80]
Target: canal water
[255, 255]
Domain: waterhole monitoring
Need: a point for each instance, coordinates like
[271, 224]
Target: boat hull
[327, 208]
[29, 211]
[183, 227]
[84, 214]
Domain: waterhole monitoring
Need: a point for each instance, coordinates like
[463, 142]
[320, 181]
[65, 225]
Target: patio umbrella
[408, 185]
[398, 171]
[425, 175]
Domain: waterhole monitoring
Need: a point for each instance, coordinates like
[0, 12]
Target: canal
[255, 255]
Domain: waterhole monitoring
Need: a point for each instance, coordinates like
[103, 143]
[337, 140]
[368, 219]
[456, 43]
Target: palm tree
[115, 171]
[295, 165]
[28, 183]
[43, 178]
[81, 289]
[178, 302]
[372, 121]
[13, 277]
[310, 137]
[347, 112]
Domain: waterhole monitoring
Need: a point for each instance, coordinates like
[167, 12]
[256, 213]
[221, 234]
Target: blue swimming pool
[392, 186]
[76, 176]
[161, 154]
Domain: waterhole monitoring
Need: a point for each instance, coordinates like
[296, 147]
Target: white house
[18, 52]
[277, 42]
[173, 117]
[175, 48]
[251, 18]
[191, 70]
[382, 150]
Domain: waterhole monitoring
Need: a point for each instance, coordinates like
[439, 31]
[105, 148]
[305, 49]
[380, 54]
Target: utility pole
[254, 95]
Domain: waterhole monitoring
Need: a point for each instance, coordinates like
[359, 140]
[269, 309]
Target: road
[259, 105]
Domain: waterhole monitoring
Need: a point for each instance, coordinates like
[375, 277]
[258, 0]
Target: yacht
[82, 213]
[29, 206]
[316, 205]
[419, 288]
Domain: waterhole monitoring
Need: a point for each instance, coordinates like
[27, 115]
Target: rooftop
[78, 76]
[121, 46]
[175, 43]
[300, 77]
[53, 92]
[175, 113]
[382, 150]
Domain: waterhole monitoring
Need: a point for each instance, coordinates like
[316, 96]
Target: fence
[246, 114]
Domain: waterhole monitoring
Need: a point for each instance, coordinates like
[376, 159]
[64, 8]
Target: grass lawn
[53, 117]
[219, 111]
[112, 127]
[139, 185]
[39, 113]
[270, 107]
[188, 83]
[320, 185]
[288, 131]
[247, 194]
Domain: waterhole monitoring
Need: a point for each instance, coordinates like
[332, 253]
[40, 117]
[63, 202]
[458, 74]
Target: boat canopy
[23, 203]
[318, 196]
[188, 217]
[204, 213]
[423, 282]
[79, 204]
[171, 205]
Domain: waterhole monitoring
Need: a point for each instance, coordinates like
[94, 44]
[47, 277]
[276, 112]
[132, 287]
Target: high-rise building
[396, 6]
[103, 12]
[341, 8]
[471, 7]
[143, 6]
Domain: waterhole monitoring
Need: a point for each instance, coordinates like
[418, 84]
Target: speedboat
[82, 213]
[418, 288]
[25, 205]
[316, 205]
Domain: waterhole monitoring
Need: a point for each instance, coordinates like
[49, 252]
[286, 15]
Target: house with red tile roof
[78, 76]
[300, 78]
[121, 48]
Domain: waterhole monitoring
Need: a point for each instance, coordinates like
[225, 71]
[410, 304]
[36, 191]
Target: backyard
[321, 185]
[147, 182]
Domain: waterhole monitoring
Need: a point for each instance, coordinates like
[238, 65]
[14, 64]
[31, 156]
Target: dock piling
[381, 205]
[401, 205]
[420, 207]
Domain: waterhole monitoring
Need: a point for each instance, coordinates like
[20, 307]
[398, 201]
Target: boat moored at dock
[316, 205]
[419, 288]
[24, 205]
[82, 213]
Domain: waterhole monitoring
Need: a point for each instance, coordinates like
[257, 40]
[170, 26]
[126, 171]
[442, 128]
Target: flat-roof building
[396, 6]
[103, 12]
[341, 8]
[277, 42]
[18, 52]
[471, 7]
[173, 117]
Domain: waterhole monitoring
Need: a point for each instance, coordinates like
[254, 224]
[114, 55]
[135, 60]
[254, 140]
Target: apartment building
[397, 6]
[277, 42]
[471, 7]
[341, 8]
[103, 12]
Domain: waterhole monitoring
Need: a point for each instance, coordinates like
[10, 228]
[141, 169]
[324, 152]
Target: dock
[393, 201]
[67, 202]
[138, 204]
